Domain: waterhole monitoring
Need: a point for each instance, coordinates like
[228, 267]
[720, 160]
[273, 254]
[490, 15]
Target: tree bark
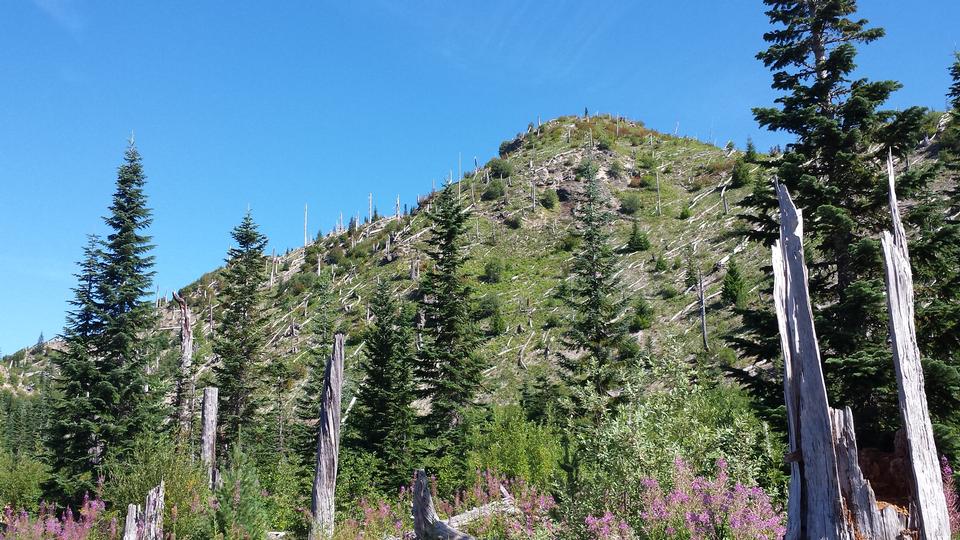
[931, 506]
[328, 446]
[208, 434]
[185, 383]
[153, 514]
[130, 529]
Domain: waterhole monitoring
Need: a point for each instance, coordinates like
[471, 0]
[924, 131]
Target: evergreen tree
[126, 346]
[74, 437]
[447, 367]
[240, 333]
[734, 291]
[38, 348]
[750, 156]
[306, 429]
[638, 239]
[954, 93]
[596, 331]
[384, 417]
[835, 172]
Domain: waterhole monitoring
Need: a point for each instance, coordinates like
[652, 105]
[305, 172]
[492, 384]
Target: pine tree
[750, 156]
[126, 346]
[734, 291]
[448, 368]
[596, 332]
[638, 239]
[305, 430]
[954, 93]
[835, 173]
[384, 417]
[240, 333]
[74, 438]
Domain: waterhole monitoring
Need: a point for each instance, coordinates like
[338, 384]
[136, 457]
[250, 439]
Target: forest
[583, 338]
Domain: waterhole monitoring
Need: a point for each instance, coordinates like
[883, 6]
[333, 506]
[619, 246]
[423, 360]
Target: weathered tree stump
[328, 446]
[208, 434]
[185, 383]
[426, 524]
[146, 523]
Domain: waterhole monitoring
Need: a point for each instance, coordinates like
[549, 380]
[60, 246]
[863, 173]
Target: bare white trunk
[426, 523]
[208, 434]
[328, 446]
[185, 383]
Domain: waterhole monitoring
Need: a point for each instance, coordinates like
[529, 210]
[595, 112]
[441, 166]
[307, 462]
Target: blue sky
[277, 104]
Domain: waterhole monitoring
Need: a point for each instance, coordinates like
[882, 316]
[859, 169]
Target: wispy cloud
[64, 13]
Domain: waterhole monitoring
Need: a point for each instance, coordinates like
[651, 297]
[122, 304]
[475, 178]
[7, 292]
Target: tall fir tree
[835, 171]
[73, 440]
[240, 334]
[127, 347]
[384, 416]
[448, 367]
[597, 330]
[306, 429]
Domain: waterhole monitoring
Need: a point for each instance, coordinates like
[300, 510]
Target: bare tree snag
[208, 434]
[659, 211]
[328, 446]
[426, 524]
[703, 310]
[931, 506]
[130, 528]
[153, 514]
[815, 506]
[185, 383]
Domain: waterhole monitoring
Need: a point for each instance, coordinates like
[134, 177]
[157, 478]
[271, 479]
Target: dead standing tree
[146, 523]
[828, 497]
[185, 383]
[328, 446]
[208, 434]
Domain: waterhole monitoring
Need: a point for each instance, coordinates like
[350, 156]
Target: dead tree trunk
[931, 506]
[185, 384]
[702, 297]
[426, 524]
[146, 523]
[828, 497]
[659, 211]
[208, 434]
[328, 445]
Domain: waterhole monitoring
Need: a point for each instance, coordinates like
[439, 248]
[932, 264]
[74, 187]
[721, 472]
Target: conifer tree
[384, 417]
[750, 156]
[835, 172]
[240, 333]
[734, 291]
[638, 239]
[596, 331]
[306, 429]
[448, 368]
[74, 437]
[126, 345]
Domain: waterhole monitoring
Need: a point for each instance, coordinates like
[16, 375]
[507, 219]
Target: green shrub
[569, 242]
[668, 292]
[741, 174]
[241, 510]
[488, 305]
[495, 190]
[616, 170]
[549, 199]
[498, 324]
[586, 170]
[21, 481]
[514, 222]
[604, 143]
[630, 203]
[500, 168]
[286, 483]
[684, 212]
[185, 485]
[660, 265]
[734, 286]
[335, 255]
[515, 447]
[493, 271]
[638, 239]
[642, 315]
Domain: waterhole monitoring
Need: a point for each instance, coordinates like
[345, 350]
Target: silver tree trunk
[208, 434]
[185, 383]
[328, 446]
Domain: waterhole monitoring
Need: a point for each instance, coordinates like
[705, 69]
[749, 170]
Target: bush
[660, 265]
[549, 199]
[741, 173]
[684, 212]
[186, 494]
[642, 315]
[514, 222]
[630, 203]
[488, 305]
[500, 168]
[569, 242]
[616, 170]
[604, 143]
[495, 190]
[638, 239]
[493, 271]
[241, 510]
[515, 447]
[668, 292]
[335, 255]
[586, 170]
[498, 325]
[21, 481]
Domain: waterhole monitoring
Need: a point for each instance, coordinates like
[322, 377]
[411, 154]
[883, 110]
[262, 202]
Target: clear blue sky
[277, 104]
